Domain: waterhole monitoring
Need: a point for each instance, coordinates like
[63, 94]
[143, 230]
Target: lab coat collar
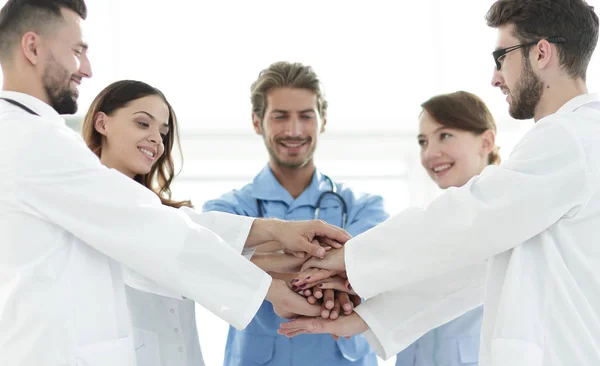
[36, 105]
[577, 102]
[266, 187]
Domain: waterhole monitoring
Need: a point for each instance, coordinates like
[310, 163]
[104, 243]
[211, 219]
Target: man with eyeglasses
[534, 221]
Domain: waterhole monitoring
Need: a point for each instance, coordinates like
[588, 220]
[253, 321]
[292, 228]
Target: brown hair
[285, 74]
[463, 111]
[533, 20]
[116, 96]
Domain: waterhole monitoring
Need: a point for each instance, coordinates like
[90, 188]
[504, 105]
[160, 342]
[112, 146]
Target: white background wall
[378, 60]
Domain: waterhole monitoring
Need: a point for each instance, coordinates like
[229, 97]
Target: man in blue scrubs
[289, 111]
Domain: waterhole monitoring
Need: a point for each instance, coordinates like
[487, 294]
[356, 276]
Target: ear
[257, 124]
[545, 53]
[488, 141]
[323, 123]
[30, 46]
[100, 120]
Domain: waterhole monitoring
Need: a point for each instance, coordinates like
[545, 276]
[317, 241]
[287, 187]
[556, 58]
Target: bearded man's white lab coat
[67, 223]
[533, 221]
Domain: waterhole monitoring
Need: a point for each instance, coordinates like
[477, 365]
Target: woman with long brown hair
[132, 128]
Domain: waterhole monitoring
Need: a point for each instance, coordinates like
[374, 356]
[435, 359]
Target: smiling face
[450, 156]
[65, 64]
[133, 135]
[291, 127]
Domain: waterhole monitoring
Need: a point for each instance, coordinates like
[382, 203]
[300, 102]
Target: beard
[527, 93]
[291, 164]
[56, 80]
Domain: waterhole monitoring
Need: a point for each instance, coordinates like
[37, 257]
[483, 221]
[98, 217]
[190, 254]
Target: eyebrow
[309, 110]
[152, 117]
[434, 131]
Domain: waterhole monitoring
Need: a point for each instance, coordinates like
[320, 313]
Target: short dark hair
[533, 20]
[18, 17]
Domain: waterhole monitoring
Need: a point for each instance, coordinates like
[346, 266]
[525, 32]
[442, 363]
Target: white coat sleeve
[223, 224]
[234, 234]
[61, 181]
[398, 318]
[544, 179]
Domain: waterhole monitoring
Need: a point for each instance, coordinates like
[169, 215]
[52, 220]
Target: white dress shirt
[66, 224]
[536, 217]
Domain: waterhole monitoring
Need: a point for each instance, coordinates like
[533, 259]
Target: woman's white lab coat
[535, 218]
[66, 225]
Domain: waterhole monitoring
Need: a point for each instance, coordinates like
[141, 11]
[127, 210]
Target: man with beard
[535, 219]
[68, 223]
[289, 111]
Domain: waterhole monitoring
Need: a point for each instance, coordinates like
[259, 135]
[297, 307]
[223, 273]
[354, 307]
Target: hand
[287, 303]
[332, 264]
[345, 326]
[278, 262]
[326, 243]
[307, 236]
[297, 237]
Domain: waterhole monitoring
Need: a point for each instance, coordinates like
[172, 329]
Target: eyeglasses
[500, 53]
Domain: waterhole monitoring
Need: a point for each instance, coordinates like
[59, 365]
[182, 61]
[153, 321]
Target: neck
[557, 94]
[294, 180]
[22, 82]
[108, 163]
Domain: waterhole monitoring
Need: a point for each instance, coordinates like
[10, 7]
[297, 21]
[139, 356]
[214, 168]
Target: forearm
[263, 231]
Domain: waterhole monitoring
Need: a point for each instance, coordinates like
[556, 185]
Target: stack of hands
[310, 285]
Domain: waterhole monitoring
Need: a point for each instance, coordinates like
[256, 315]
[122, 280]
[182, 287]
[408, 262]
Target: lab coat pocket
[468, 350]
[147, 350]
[112, 352]
[257, 349]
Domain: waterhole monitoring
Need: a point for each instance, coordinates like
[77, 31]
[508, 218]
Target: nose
[85, 67]
[430, 152]
[155, 137]
[497, 79]
[293, 127]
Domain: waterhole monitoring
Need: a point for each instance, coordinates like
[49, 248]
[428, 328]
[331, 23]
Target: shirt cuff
[376, 335]
[256, 302]
[354, 277]
[239, 240]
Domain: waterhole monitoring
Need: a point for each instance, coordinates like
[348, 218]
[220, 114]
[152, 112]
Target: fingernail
[295, 280]
[349, 287]
[294, 288]
[347, 307]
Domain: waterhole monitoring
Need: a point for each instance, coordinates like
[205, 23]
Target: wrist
[263, 231]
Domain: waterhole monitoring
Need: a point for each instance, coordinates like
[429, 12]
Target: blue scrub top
[453, 344]
[259, 343]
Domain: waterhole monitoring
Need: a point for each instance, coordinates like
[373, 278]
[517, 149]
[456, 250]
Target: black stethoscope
[332, 192]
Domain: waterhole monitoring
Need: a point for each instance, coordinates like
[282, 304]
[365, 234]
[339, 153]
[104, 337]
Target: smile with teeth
[292, 144]
[440, 168]
[147, 152]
